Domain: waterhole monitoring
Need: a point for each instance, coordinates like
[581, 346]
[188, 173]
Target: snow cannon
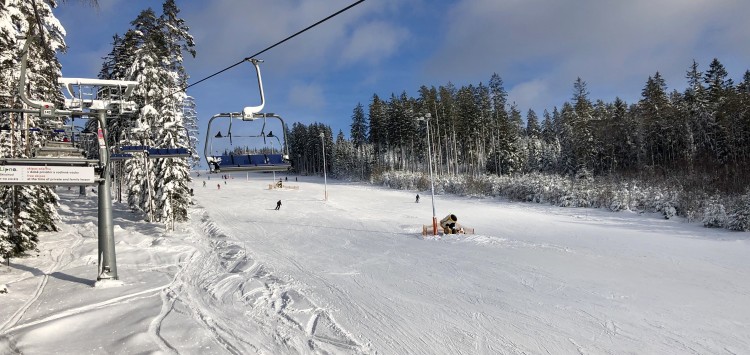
[449, 224]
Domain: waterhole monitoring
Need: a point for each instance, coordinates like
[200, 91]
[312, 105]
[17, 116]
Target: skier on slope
[278, 205]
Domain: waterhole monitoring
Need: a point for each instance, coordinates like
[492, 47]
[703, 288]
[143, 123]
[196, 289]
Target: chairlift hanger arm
[208, 131]
[248, 113]
[283, 131]
[22, 77]
[44, 109]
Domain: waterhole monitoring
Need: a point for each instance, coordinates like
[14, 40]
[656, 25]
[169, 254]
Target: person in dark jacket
[278, 204]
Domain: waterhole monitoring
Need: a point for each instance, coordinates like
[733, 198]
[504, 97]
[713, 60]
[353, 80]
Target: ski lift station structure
[248, 162]
[57, 159]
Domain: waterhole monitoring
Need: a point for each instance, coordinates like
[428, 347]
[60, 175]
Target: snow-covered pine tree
[655, 115]
[190, 117]
[481, 137]
[378, 135]
[343, 157]
[174, 172]
[359, 126]
[719, 89]
[159, 187]
[624, 149]
[148, 70]
[533, 141]
[568, 157]
[26, 209]
[580, 122]
[518, 162]
[11, 17]
[466, 128]
[43, 86]
[445, 123]
[504, 156]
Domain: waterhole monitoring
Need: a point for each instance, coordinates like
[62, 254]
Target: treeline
[698, 138]
[701, 134]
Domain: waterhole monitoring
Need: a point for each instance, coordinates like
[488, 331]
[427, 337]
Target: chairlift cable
[268, 48]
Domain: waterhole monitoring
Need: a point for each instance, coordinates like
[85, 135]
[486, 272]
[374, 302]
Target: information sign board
[46, 175]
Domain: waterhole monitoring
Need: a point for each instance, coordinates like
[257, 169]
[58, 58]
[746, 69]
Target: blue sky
[538, 47]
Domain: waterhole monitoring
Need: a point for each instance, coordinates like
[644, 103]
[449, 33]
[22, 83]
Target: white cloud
[307, 96]
[231, 30]
[527, 94]
[607, 43]
[373, 42]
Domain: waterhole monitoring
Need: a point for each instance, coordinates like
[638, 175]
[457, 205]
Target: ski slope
[354, 275]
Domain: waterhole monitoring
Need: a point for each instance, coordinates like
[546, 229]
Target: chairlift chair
[248, 162]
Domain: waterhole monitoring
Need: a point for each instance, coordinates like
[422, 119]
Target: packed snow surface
[354, 275]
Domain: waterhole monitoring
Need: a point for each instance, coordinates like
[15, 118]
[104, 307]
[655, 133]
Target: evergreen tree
[159, 187]
[343, 157]
[467, 124]
[719, 90]
[623, 148]
[445, 126]
[580, 123]
[190, 117]
[359, 126]
[739, 217]
[548, 127]
[655, 113]
[532, 125]
[502, 147]
[716, 77]
[378, 135]
[26, 210]
[533, 142]
[568, 162]
[147, 69]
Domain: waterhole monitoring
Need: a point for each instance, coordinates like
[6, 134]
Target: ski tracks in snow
[59, 255]
[246, 307]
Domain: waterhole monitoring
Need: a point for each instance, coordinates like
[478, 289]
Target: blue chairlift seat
[157, 153]
[251, 162]
[120, 156]
[133, 148]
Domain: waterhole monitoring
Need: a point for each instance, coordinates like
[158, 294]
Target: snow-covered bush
[665, 202]
[668, 198]
[691, 203]
[714, 214]
[739, 217]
